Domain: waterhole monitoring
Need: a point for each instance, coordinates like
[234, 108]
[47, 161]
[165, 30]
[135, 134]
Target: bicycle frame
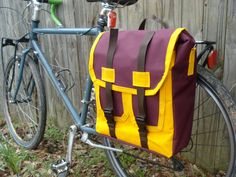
[34, 46]
[79, 119]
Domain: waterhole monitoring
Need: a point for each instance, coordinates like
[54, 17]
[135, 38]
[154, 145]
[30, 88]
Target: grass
[19, 161]
[86, 161]
[10, 158]
[53, 133]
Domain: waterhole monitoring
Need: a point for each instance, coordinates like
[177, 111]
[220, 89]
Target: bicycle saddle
[121, 2]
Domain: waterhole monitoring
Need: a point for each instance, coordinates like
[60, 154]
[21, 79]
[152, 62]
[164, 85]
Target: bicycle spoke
[199, 105]
[21, 121]
[206, 116]
[29, 117]
[28, 131]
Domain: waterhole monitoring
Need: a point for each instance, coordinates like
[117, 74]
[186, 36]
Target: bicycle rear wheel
[25, 115]
[211, 151]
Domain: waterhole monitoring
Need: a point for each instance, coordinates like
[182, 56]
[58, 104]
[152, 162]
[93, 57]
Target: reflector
[212, 59]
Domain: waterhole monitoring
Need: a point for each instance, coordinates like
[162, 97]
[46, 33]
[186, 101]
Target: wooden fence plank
[230, 49]
[192, 12]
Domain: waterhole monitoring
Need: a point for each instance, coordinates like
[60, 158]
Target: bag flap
[124, 75]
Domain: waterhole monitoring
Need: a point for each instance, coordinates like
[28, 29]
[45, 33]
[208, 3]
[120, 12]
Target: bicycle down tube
[78, 119]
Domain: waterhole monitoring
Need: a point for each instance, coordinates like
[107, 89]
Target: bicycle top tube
[77, 31]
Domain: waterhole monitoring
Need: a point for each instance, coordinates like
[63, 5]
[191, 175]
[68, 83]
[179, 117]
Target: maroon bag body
[145, 87]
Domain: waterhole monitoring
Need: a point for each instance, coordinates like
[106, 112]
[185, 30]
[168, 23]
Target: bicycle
[23, 91]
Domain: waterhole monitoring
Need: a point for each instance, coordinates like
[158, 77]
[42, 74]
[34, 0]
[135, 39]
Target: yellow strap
[141, 79]
[108, 74]
[191, 65]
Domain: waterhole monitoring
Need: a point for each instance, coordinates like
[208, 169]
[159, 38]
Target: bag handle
[143, 23]
[141, 118]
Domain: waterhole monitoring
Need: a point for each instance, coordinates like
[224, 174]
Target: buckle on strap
[108, 113]
[140, 119]
[109, 116]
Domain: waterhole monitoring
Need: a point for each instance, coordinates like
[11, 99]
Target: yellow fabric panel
[127, 129]
[192, 57]
[160, 139]
[148, 92]
[91, 57]
[108, 74]
[161, 142]
[125, 124]
[162, 107]
[101, 122]
[117, 88]
[141, 79]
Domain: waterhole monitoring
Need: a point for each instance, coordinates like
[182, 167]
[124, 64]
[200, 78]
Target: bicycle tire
[221, 97]
[26, 118]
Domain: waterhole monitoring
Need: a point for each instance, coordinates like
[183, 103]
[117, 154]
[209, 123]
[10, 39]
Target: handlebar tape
[56, 2]
[53, 15]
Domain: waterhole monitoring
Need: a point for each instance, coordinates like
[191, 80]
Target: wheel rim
[23, 114]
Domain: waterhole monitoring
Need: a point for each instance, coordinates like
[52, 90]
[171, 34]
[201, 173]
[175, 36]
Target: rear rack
[14, 43]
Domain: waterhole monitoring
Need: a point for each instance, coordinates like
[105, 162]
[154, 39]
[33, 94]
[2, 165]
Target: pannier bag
[145, 87]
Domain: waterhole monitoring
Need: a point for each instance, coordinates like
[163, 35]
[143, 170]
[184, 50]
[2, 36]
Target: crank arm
[86, 140]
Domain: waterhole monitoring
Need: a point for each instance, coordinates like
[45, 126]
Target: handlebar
[48, 1]
[53, 3]
[53, 15]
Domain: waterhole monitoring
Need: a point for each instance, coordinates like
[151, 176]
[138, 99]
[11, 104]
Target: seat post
[103, 15]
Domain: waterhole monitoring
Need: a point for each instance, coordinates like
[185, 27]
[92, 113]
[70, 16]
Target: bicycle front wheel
[211, 151]
[26, 114]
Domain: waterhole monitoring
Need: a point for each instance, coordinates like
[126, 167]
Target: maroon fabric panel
[183, 93]
[151, 107]
[125, 59]
[117, 101]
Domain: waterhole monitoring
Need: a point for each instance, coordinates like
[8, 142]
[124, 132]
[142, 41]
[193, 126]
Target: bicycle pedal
[61, 168]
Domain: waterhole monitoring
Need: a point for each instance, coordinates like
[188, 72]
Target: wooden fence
[205, 19]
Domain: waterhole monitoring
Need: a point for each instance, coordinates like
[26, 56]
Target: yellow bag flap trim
[141, 79]
[148, 92]
[108, 74]
[191, 65]
[91, 57]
